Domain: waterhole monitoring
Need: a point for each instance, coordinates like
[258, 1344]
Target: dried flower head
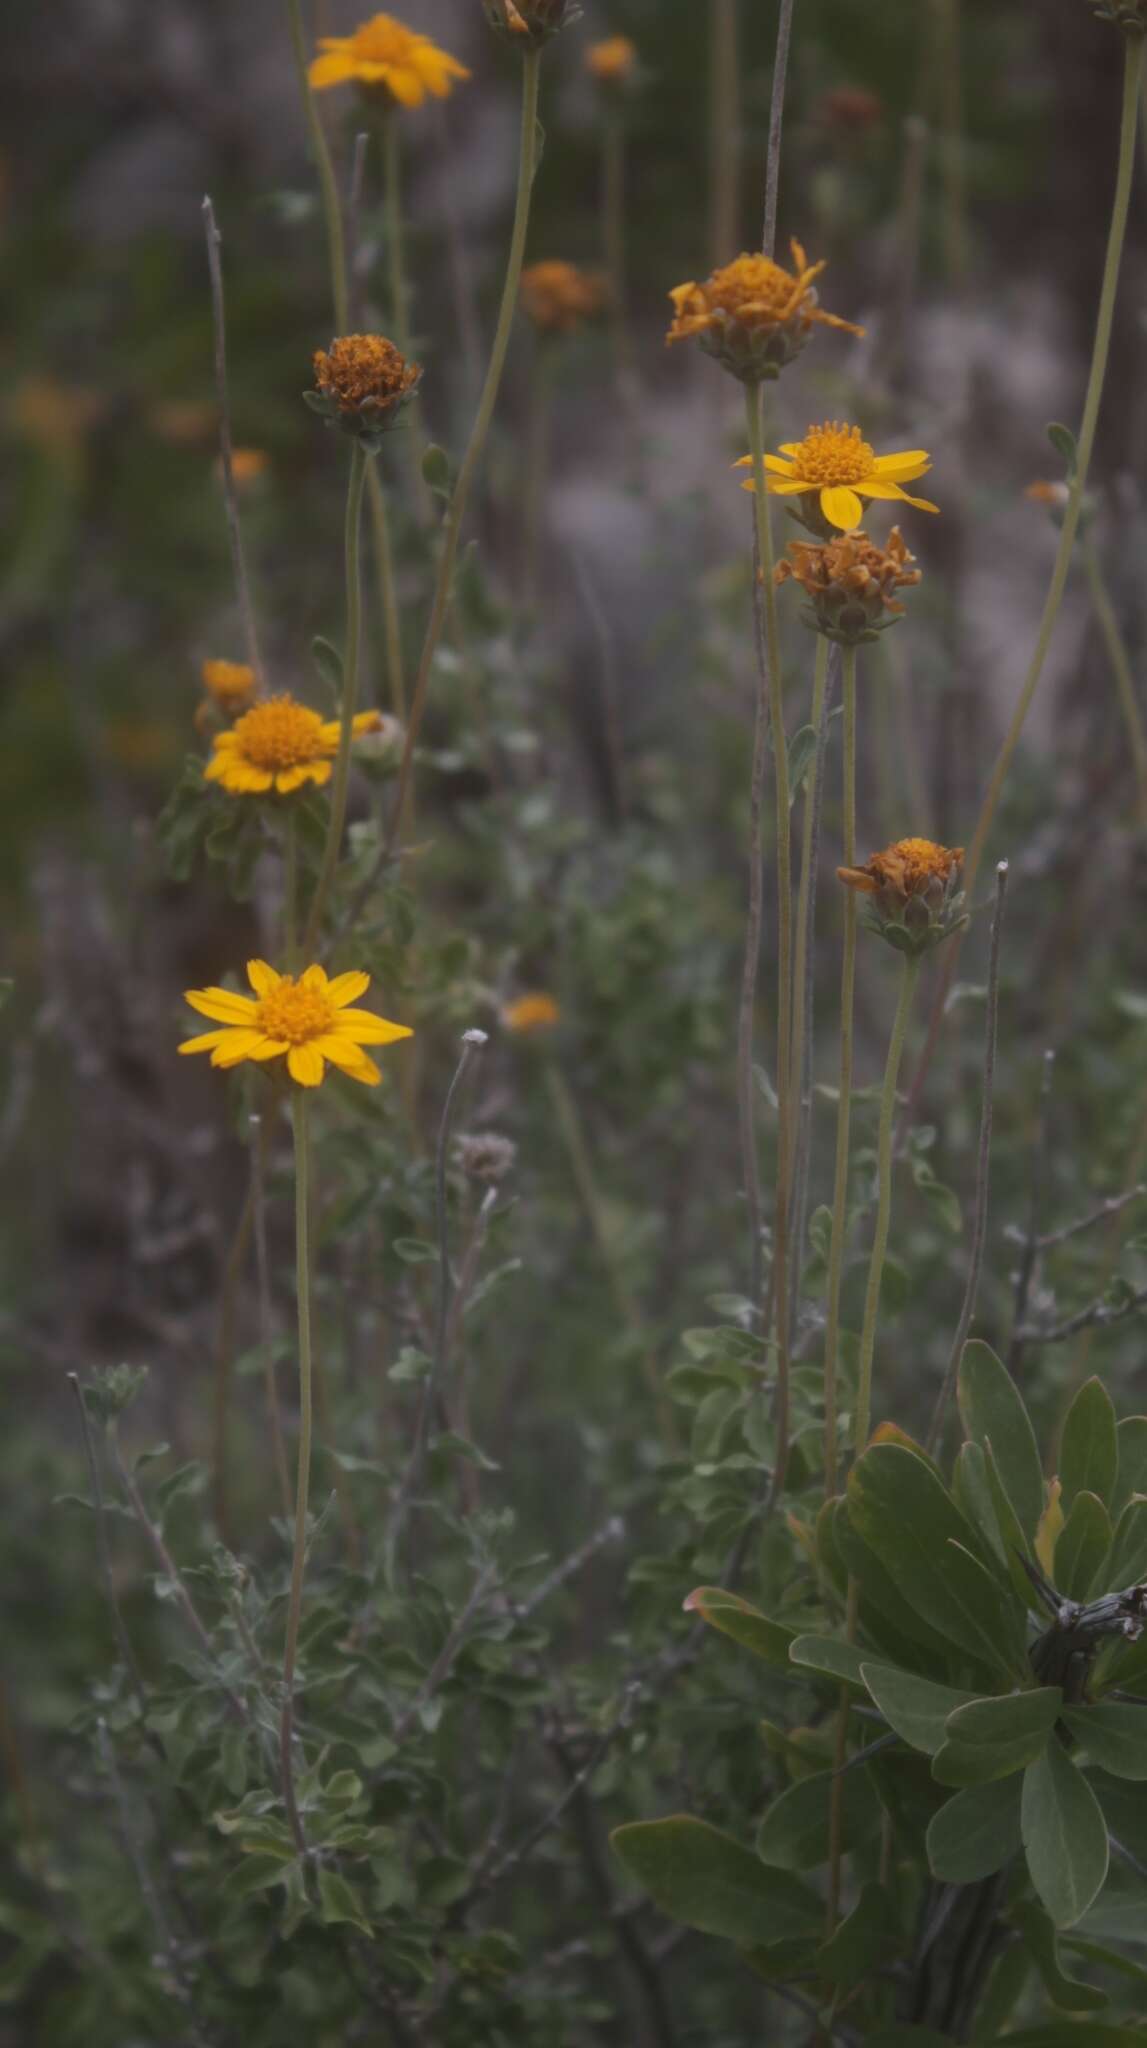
[388, 61]
[613, 61]
[754, 316]
[1129, 15]
[914, 897]
[531, 1013]
[362, 383]
[851, 584]
[279, 745]
[832, 470]
[527, 24]
[559, 297]
[485, 1156]
[229, 684]
[304, 1021]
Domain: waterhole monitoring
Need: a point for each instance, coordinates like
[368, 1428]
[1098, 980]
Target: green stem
[537, 466]
[452, 526]
[844, 1099]
[1133, 68]
[819, 681]
[399, 290]
[724, 131]
[358, 462]
[1120, 668]
[952, 124]
[387, 590]
[291, 889]
[328, 189]
[754, 416]
[302, 1486]
[908, 980]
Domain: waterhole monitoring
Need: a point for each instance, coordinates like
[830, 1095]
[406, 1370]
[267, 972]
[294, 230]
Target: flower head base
[914, 895]
[851, 584]
[363, 383]
[559, 297]
[279, 745]
[229, 684]
[1129, 15]
[754, 316]
[833, 469]
[304, 1022]
[389, 62]
[530, 1014]
[612, 62]
[527, 24]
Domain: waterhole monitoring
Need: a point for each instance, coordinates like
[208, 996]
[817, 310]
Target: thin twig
[103, 1548]
[610, 694]
[230, 493]
[1111, 1207]
[983, 1158]
[746, 1081]
[447, 1655]
[165, 1933]
[354, 253]
[610, 1532]
[1027, 1266]
[804, 1051]
[1100, 1315]
[776, 119]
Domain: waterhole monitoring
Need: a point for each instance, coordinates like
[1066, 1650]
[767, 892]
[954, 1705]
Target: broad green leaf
[1084, 1542]
[927, 1546]
[738, 1618]
[993, 1412]
[1132, 1439]
[831, 1656]
[899, 1632]
[917, 1708]
[255, 1874]
[1041, 1938]
[1114, 1734]
[972, 1493]
[794, 1834]
[1089, 1452]
[1064, 1835]
[778, 1962]
[1127, 1564]
[1005, 1987]
[340, 1903]
[863, 1943]
[989, 1739]
[976, 1833]
[1016, 1544]
[802, 754]
[436, 471]
[706, 1880]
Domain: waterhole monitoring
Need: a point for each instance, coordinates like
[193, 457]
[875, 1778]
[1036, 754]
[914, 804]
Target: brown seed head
[851, 584]
[753, 315]
[363, 382]
[485, 1155]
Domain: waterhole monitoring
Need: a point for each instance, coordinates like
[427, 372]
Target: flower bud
[363, 382]
[850, 584]
[914, 893]
[527, 24]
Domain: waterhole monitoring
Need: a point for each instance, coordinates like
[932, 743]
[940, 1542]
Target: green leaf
[802, 754]
[973, 1495]
[993, 1412]
[414, 1251]
[917, 1708]
[329, 663]
[706, 1880]
[1041, 1938]
[6, 987]
[904, 1513]
[1005, 1987]
[340, 1903]
[1063, 441]
[831, 1656]
[1127, 1564]
[1016, 1544]
[1132, 1439]
[1114, 1734]
[1064, 1835]
[1083, 1544]
[989, 1739]
[1089, 1451]
[436, 472]
[255, 1874]
[908, 2037]
[975, 1833]
[899, 1634]
[738, 1618]
[862, 1943]
[794, 1834]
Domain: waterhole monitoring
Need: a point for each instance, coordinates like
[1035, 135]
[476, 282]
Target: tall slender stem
[291, 888]
[819, 682]
[755, 420]
[776, 119]
[337, 820]
[724, 131]
[908, 979]
[399, 291]
[266, 1321]
[804, 990]
[300, 1109]
[952, 126]
[452, 526]
[223, 399]
[1120, 668]
[844, 1097]
[387, 590]
[328, 187]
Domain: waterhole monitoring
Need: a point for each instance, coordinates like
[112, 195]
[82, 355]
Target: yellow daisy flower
[306, 1021]
[382, 53]
[833, 463]
[279, 744]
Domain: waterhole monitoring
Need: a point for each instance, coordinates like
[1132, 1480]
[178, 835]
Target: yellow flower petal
[269, 1049]
[781, 486]
[313, 977]
[305, 1065]
[290, 778]
[221, 1004]
[342, 1053]
[367, 1029]
[842, 507]
[335, 68]
[236, 1046]
[903, 467]
[881, 488]
[347, 988]
[206, 1042]
[262, 977]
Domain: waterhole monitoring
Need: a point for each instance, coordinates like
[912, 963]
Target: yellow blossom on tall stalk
[248, 464]
[559, 297]
[307, 1022]
[833, 469]
[278, 745]
[753, 315]
[385, 57]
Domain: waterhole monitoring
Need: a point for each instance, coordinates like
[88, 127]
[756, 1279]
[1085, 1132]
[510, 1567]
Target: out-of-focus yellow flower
[753, 315]
[140, 745]
[385, 57]
[534, 1012]
[362, 383]
[57, 415]
[247, 465]
[851, 583]
[836, 469]
[183, 421]
[1046, 492]
[559, 297]
[278, 745]
[914, 894]
[306, 1022]
[612, 61]
[851, 109]
[229, 684]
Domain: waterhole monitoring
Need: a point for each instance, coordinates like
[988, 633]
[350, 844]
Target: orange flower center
[755, 281]
[295, 1013]
[833, 455]
[362, 367]
[281, 734]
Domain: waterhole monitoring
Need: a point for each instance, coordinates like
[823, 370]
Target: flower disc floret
[389, 60]
[914, 897]
[834, 468]
[753, 315]
[306, 1022]
[279, 745]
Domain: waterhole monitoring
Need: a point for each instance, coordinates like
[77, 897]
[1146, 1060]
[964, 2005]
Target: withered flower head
[612, 61]
[527, 24]
[485, 1155]
[1129, 15]
[851, 584]
[559, 297]
[913, 892]
[362, 383]
[754, 316]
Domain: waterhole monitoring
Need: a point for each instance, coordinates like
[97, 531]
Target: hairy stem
[328, 188]
[300, 1109]
[1117, 655]
[909, 977]
[337, 820]
[844, 1099]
